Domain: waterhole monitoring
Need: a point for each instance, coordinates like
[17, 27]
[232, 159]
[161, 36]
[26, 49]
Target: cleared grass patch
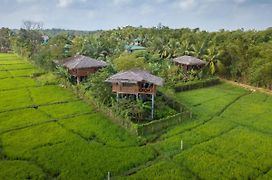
[239, 154]
[96, 127]
[195, 136]
[162, 170]
[51, 94]
[18, 143]
[4, 74]
[21, 118]
[11, 62]
[80, 160]
[66, 110]
[14, 99]
[19, 170]
[255, 112]
[67, 154]
[245, 147]
[206, 104]
[10, 59]
[14, 83]
[18, 66]
[209, 166]
[23, 72]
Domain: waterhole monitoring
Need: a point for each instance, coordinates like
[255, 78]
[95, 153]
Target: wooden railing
[133, 89]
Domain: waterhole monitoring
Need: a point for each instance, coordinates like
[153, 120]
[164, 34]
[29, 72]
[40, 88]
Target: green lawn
[46, 132]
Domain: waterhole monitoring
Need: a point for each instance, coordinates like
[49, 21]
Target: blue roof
[134, 47]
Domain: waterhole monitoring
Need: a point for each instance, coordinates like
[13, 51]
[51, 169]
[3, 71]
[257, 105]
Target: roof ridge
[137, 75]
[79, 60]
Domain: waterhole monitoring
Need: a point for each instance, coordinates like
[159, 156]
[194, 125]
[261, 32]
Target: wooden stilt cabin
[189, 62]
[135, 82]
[81, 66]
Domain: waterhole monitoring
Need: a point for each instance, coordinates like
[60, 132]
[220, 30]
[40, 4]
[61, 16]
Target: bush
[196, 84]
[97, 87]
[129, 61]
[48, 79]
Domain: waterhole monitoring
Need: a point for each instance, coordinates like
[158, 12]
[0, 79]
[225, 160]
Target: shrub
[129, 61]
[48, 79]
[196, 84]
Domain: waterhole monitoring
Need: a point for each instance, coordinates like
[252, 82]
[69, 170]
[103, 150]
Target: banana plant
[140, 108]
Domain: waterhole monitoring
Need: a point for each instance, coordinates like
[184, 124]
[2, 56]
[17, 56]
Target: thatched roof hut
[81, 66]
[135, 76]
[135, 82]
[82, 62]
[189, 62]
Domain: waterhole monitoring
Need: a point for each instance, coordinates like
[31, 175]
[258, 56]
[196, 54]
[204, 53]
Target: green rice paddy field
[46, 132]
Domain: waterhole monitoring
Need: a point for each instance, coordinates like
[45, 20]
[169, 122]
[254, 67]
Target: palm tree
[186, 48]
[199, 49]
[213, 58]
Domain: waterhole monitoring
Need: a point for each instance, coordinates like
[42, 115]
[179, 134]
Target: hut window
[127, 84]
[146, 85]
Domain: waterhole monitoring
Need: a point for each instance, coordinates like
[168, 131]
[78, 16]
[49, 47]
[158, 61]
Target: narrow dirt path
[246, 86]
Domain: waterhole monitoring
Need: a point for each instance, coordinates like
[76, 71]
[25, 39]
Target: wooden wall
[189, 67]
[82, 72]
[133, 89]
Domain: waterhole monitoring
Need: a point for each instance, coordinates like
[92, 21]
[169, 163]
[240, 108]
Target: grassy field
[46, 132]
[229, 137]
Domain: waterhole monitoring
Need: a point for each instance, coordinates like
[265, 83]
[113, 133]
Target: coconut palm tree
[199, 49]
[186, 48]
[213, 58]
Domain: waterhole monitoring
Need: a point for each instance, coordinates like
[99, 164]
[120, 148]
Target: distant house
[5, 50]
[138, 41]
[132, 48]
[81, 66]
[67, 48]
[135, 82]
[136, 45]
[45, 39]
[189, 62]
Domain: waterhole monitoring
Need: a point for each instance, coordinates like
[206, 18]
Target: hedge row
[157, 126]
[196, 84]
[173, 103]
[162, 124]
[121, 121]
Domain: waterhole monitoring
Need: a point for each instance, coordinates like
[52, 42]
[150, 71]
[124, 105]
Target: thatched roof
[80, 61]
[189, 60]
[135, 76]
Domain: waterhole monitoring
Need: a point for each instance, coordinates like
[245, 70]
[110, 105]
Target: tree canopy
[239, 55]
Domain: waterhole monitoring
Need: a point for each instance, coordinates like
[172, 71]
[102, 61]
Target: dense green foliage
[129, 61]
[46, 132]
[5, 39]
[239, 55]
